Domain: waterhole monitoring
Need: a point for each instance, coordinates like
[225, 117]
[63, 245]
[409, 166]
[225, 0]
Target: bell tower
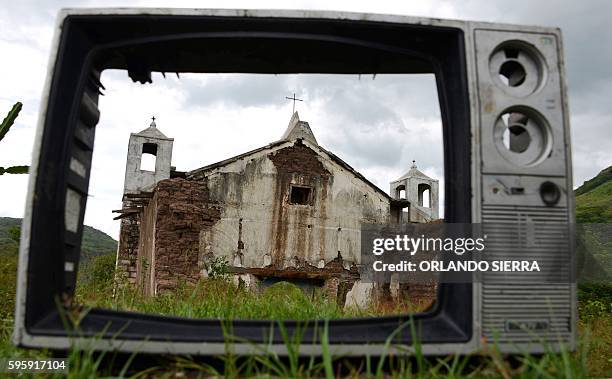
[421, 191]
[148, 160]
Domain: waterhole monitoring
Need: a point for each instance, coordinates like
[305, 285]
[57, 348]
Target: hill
[594, 199]
[594, 208]
[95, 242]
[604, 176]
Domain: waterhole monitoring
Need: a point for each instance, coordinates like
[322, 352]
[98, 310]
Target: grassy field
[280, 301]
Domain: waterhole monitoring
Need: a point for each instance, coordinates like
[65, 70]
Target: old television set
[490, 78]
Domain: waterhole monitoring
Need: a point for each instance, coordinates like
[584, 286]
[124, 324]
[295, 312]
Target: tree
[4, 128]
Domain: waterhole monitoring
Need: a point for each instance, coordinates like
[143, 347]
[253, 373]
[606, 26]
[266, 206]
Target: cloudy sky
[377, 125]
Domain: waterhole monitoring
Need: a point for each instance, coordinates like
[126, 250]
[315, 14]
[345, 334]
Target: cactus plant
[4, 128]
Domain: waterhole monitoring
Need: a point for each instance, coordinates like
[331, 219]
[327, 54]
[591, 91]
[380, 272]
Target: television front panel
[506, 151]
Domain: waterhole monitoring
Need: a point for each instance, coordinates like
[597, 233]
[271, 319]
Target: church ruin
[290, 210]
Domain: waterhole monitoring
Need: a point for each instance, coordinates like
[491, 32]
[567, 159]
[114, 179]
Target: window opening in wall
[404, 215]
[300, 195]
[401, 192]
[424, 195]
[148, 157]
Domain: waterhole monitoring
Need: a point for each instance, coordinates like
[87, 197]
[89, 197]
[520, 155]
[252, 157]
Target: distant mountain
[94, 242]
[594, 199]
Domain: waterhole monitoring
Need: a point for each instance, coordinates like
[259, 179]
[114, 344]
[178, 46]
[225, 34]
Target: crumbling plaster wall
[258, 227]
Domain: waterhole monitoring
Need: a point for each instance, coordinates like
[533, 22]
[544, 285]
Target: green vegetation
[595, 206]
[603, 177]
[94, 242]
[594, 199]
[280, 301]
[4, 128]
[9, 227]
[8, 279]
[98, 245]
[593, 212]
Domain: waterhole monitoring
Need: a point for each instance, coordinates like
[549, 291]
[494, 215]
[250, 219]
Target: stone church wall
[127, 254]
[145, 265]
[176, 214]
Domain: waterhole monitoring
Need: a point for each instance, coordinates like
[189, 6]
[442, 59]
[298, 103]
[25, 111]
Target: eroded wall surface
[127, 253]
[179, 210]
[260, 227]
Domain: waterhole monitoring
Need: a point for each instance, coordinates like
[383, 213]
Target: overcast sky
[211, 117]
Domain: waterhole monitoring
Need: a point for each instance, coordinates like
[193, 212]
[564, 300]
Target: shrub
[8, 281]
[15, 233]
[593, 309]
[100, 272]
[218, 268]
[595, 291]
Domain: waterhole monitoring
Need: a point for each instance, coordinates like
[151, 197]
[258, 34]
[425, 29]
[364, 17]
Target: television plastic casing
[466, 58]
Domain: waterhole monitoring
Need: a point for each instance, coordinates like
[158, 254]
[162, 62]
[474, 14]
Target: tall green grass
[220, 298]
[593, 357]
[396, 362]
[84, 362]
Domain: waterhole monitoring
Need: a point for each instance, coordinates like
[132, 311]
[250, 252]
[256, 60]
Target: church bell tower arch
[421, 191]
[148, 160]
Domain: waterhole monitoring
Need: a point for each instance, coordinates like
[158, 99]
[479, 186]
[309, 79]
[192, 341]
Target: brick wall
[182, 210]
[128, 246]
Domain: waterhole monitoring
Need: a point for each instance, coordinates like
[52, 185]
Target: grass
[590, 360]
[593, 357]
[281, 301]
[594, 206]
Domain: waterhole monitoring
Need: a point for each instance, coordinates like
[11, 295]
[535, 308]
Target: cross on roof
[294, 100]
[153, 122]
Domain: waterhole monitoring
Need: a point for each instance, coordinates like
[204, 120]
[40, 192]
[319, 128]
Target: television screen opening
[246, 200]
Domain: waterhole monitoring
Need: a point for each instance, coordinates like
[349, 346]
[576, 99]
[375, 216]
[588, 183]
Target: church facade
[290, 210]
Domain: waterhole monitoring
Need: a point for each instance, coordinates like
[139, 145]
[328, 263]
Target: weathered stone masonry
[180, 210]
[128, 246]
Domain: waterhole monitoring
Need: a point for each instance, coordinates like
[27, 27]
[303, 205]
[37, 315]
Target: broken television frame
[505, 126]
